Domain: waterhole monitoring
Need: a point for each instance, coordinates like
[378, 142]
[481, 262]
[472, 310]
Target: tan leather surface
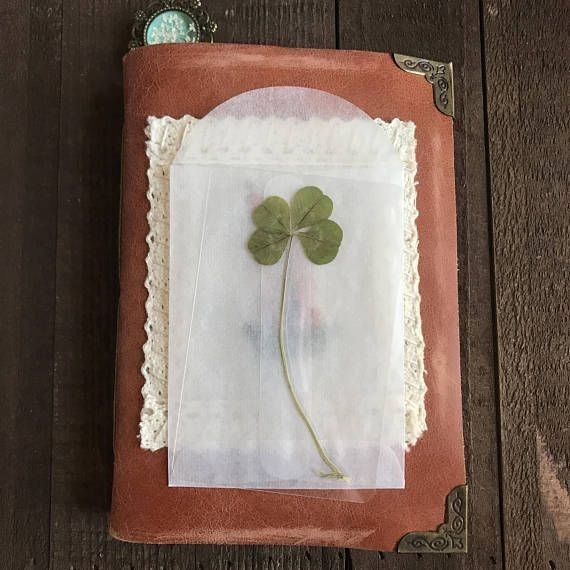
[179, 79]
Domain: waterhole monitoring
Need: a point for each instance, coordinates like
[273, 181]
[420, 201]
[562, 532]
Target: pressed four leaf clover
[307, 219]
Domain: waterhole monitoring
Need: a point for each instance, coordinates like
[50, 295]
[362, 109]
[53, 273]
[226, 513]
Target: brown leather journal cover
[192, 79]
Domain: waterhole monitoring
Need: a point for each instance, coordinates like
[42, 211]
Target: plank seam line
[492, 267]
[55, 303]
[337, 24]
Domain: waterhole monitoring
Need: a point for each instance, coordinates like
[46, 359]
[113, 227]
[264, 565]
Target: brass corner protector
[439, 74]
[450, 537]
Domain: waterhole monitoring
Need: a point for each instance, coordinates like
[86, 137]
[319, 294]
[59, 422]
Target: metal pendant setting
[172, 21]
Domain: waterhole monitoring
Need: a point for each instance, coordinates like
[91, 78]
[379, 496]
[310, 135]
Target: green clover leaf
[321, 241]
[267, 248]
[310, 205]
[307, 218]
[277, 224]
[273, 216]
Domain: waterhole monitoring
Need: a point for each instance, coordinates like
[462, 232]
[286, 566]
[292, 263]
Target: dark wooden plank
[14, 26]
[289, 23]
[212, 557]
[293, 23]
[527, 90]
[95, 36]
[449, 31]
[29, 91]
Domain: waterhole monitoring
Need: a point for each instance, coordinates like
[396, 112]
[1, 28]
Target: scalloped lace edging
[164, 137]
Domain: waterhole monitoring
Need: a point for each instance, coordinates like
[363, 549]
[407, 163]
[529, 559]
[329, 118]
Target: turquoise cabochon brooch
[172, 22]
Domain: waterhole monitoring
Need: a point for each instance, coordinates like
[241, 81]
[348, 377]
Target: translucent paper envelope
[286, 363]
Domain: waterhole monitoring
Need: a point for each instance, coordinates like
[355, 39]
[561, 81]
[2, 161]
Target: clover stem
[335, 473]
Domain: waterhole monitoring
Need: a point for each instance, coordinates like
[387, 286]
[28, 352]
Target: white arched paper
[232, 420]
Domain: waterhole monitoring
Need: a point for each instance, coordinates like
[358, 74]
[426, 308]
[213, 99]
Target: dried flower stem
[335, 472]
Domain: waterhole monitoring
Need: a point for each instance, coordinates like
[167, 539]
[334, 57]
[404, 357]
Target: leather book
[192, 79]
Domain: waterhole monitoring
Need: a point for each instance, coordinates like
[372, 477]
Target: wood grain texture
[13, 93]
[93, 43]
[61, 113]
[88, 194]
[94, 36]
[449, 31]
[29, 95]
[289, 23]
[527, 92]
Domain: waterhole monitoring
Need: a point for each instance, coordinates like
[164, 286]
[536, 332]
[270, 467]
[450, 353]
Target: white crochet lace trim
[164, 137]
[290, 139]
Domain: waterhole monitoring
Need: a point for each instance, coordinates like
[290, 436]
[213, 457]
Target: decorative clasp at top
[439, 74]
[172, 22]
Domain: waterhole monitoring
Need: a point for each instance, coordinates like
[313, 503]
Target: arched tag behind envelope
[286, 374]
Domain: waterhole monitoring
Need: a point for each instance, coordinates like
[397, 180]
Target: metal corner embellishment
[450, 537]
[172, 22]
[439, 74]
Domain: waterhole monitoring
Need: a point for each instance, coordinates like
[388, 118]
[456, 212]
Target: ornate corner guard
[201, 26]
[439, 74]
[450, 537]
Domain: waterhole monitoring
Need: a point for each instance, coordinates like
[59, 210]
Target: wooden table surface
[61, 114]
